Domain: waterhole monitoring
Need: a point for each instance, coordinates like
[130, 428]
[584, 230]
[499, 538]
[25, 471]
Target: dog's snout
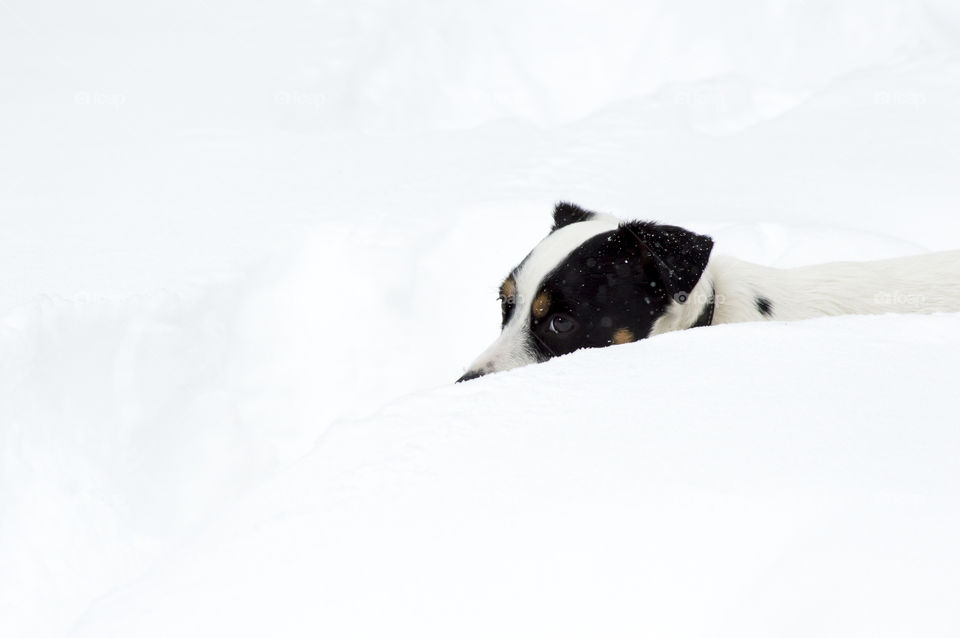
[471, 374]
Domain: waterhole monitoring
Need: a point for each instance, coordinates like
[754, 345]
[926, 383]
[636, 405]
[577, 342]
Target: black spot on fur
[566, 213]
[764, 306]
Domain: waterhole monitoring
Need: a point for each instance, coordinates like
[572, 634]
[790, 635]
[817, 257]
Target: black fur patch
[622, 279]
[507, 304]
[678, 255]
[764, 306]
[566, 213]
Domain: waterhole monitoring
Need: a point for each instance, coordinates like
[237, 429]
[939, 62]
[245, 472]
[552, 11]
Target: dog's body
[749, 292]
[598, 281]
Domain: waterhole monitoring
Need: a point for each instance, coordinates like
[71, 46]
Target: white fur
[920, 284]
[512, 347]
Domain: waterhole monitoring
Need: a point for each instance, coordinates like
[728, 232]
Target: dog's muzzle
[472, 374]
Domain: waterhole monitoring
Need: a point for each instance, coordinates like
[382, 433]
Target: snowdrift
[750, 480]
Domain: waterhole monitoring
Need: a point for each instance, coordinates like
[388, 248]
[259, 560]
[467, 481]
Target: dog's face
[594, 281]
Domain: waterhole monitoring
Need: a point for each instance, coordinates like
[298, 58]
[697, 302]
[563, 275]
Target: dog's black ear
[566, 213]
[677, 255]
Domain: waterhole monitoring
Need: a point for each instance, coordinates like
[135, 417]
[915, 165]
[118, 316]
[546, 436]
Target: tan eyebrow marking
[508, 288]
[541, 305]
[623, 335]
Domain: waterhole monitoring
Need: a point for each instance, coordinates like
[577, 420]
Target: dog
[597, 281]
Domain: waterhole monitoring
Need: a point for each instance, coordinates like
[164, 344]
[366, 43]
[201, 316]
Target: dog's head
[594, 281]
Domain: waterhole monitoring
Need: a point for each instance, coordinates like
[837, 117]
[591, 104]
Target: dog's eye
[561, 324]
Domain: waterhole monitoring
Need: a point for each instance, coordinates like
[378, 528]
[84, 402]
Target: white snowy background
[245, 248]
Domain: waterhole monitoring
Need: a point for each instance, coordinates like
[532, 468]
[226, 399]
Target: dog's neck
[734, 291]
[698, 309]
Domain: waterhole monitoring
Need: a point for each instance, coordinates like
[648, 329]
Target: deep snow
[806, 485]
[244, 251]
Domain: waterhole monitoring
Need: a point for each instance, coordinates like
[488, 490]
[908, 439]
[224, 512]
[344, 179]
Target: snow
[566, 500]
[245, 250]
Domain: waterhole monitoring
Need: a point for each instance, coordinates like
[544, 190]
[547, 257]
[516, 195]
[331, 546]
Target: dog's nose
[471, 374]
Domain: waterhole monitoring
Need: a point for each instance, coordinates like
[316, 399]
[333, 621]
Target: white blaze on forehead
[513, 347]
[551, 252]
